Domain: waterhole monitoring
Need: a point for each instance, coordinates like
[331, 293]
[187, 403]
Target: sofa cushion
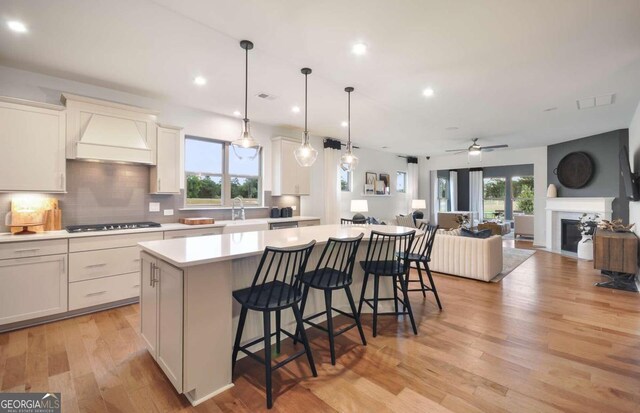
[485, 233]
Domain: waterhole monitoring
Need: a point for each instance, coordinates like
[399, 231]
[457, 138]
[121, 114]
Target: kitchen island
[188, 315]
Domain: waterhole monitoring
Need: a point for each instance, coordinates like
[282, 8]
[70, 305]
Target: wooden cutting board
[28, 209]
[197, 221]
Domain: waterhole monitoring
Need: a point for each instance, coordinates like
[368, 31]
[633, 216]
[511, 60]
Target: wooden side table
[616, 254]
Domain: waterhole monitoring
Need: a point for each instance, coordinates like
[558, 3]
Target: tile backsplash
[102, 192]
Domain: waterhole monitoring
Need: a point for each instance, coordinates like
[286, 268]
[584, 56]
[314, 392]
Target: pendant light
[246, 146]
[348, 161]
[305, 154]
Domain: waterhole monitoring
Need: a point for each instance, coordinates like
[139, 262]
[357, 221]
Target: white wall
[536, 156]
[41, 88]
[634, 154]
[385, 208]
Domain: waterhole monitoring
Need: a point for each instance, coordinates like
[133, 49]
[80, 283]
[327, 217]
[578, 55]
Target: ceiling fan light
[475, 151]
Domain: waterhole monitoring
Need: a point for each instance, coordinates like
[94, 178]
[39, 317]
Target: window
[401, 182]
[215, 175]
[494, 197]
[522, 194]
[443, 194]
[345, 180]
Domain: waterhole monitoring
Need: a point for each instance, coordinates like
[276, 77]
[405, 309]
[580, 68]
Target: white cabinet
[289, 178]
[32, 287]
[33, 144]
[162, 319]
[165, 176]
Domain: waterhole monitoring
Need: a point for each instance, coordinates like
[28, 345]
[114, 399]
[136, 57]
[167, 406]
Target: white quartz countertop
[186, 252]
[63, 234]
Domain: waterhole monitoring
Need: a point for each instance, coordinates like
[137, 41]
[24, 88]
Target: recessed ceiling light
[359, 49]
[17, 26]
[295, 109]
[344, 123]
[428, 92]
[200, 81]
[237, 113]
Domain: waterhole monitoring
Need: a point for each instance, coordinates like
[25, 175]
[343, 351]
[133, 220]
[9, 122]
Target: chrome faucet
[240, 214]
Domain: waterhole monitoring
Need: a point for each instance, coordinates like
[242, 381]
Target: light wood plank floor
[543, 340]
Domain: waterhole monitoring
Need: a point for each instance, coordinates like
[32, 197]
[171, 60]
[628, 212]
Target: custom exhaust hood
[110, 132]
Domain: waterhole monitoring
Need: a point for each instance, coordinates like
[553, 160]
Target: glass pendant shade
[474, 156]
[305, 153]
[246, 147]
[348, 161]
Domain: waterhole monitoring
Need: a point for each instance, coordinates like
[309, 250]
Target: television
[629, 178]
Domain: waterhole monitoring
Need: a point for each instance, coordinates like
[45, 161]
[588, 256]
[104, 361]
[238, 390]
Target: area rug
[511, 259]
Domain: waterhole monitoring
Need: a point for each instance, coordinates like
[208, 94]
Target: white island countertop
[187, 252]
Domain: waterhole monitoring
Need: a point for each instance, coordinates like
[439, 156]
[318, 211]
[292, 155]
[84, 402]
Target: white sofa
[523, 225]
[476, 258]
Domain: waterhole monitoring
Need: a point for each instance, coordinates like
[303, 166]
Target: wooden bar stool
[387, 257]
[333, 272]
[276, 286]
[421, 254]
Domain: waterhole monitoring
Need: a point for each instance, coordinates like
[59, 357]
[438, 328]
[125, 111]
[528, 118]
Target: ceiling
[495, 66]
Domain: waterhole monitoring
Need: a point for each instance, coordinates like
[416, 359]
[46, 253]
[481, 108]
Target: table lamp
[358, 206]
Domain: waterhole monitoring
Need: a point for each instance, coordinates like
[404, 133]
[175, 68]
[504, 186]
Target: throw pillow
[485, 233]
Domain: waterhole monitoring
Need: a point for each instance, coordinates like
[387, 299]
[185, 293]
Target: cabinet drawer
[103, 290]
[32, 248]
[87, 265]
[111, 241]
[308, 223]
[186, 233]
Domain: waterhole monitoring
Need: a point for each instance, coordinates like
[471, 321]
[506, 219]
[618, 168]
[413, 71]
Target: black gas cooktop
[111, 227]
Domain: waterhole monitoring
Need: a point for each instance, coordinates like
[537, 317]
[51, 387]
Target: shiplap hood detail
[108, 131]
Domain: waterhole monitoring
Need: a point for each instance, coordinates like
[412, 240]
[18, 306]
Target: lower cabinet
[162, 318]
[32, 287]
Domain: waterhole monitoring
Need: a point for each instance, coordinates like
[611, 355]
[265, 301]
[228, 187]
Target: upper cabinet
[289, 178]
[33, 145]
[109, 131]
[165, 176]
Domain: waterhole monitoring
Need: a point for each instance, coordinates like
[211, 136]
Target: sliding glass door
[494, 197]
[522, 195]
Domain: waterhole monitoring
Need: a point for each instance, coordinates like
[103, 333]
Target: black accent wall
[606, 181]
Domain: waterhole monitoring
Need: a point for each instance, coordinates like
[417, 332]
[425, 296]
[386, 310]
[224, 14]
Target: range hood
[108, 131]
[107, 138]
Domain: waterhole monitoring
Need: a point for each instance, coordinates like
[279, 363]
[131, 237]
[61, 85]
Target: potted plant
[587, 226]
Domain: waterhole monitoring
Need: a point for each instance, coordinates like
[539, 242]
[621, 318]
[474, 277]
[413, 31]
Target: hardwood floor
[543, 340]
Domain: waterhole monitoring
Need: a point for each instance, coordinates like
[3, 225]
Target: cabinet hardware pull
[151, 272]
[136, 260]
[28, 250]
[95, 265]
[62, 180]
[96, 293]
[158, 184]
[136, 286]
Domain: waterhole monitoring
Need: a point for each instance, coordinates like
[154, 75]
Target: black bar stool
[333, 272]
[275, 287]
[421, 254]
[387, 257]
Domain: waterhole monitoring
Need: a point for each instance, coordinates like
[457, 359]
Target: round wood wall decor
[575, 170]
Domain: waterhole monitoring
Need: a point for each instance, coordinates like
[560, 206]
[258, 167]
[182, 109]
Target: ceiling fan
[476, 149]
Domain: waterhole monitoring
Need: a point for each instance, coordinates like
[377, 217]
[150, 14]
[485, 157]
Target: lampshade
[305, 154]
[418, 204]
[246, 146]
[359, 205]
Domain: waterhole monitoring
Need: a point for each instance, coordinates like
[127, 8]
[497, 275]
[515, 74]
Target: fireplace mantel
[570, 207]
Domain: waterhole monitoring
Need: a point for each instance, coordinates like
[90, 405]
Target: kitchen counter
[188, 316]
[63, 234]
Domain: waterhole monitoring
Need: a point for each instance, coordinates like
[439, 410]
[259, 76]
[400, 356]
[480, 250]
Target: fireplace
[569, 235]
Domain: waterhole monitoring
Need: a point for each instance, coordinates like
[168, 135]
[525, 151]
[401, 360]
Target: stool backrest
[280, 265]
[339, 254]
[388, 252]
[424, 244]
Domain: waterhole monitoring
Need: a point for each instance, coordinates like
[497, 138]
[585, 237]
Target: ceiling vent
[596, 101]
[266, 96]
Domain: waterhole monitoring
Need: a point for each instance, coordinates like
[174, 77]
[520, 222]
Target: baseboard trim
[208, 396]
